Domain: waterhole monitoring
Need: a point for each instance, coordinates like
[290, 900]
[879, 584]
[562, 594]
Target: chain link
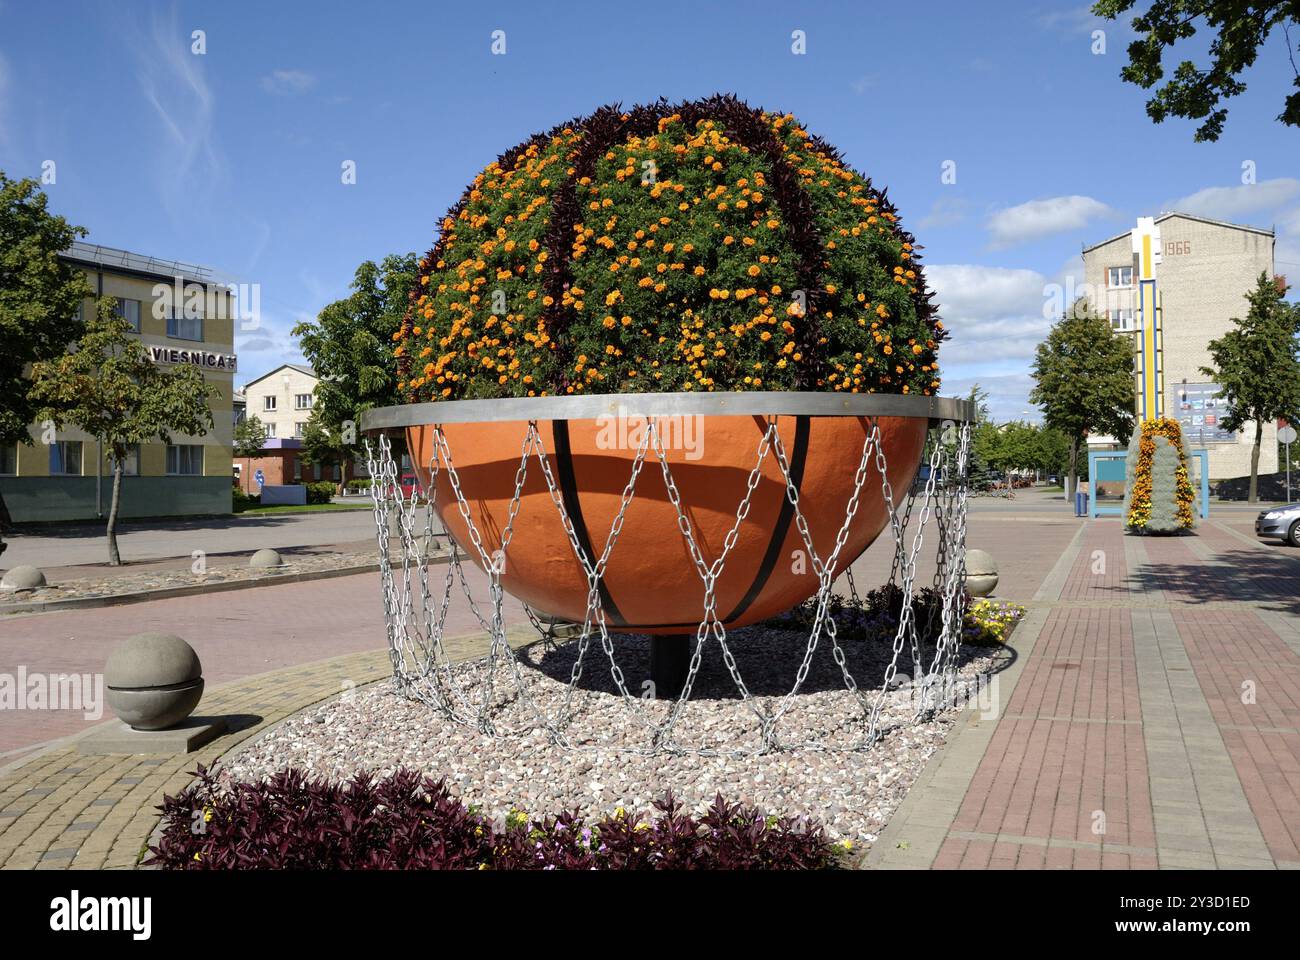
[467, 694]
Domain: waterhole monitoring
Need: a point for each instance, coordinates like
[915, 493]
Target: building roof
[1185, 216]
[124, 261]
[291, 366]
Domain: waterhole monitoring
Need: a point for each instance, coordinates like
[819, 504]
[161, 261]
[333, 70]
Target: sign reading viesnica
[1199, 408]
[200, 358]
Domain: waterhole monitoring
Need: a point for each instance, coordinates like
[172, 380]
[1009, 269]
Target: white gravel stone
[606, 764]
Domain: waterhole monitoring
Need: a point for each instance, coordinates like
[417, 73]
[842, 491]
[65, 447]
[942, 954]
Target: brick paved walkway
[236, 635]
[60, 808]
[1152, 718]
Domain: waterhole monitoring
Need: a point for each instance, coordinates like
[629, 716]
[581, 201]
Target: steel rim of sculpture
[468, 692]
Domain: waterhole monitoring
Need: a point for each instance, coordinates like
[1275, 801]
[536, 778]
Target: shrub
[704, 245]
[877, 613]
[359, 483]
[406, 821]
[321, 491]
[239, 500]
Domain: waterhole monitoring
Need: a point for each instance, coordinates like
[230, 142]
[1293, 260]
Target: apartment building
[282, 400]
[183, 316]
[1206, 268]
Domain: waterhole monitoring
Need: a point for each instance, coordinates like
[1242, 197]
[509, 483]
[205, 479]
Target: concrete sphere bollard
[981, 573]
[22, 578]
[265, 559]
[153, 681]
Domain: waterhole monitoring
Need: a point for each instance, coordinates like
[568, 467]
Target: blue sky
[233, 158]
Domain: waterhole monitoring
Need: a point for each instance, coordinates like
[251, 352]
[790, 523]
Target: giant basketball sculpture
[656, 353]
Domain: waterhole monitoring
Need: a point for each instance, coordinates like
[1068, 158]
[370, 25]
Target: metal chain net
[477, 690]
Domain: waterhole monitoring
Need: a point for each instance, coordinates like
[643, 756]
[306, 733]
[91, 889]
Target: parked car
[410, 485]
[1280, 523]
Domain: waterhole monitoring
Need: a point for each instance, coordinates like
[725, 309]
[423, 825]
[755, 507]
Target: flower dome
[700, 246]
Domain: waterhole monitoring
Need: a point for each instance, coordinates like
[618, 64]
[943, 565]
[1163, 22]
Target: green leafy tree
[108, 386]
[1083, 382]
[322, 446]
[250, 437]
[41, 298]
[1197, 93]
[350, 346]
[1256, 366]
[1054, 451]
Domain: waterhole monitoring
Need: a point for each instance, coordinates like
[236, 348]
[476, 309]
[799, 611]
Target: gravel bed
[852, 792]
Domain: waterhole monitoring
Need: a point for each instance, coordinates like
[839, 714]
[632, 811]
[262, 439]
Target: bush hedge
[406, 821]
[321, 491]
[704, 245]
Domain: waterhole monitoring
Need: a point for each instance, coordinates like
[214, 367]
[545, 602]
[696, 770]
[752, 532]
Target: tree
[41, 298]
[1054, 447]
[350, 346]
[250, 437]
[1241, 29]
[108, 386]
[1083, 374]
[1256, 367]
[321, 446]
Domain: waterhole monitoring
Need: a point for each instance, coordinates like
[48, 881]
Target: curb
[189, 590]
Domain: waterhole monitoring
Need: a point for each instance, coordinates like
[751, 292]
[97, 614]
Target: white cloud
[173, 82]
[288, 82]
[1041, 218]
[993, 313]
[944, 212]
[1235, 203]
[1076, 20]
[1008, 394]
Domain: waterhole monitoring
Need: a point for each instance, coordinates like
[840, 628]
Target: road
[84, 543]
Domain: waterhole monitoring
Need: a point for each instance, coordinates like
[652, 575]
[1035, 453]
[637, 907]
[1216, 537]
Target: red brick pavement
[1251, 681]
[1067, 751]
[1070, 741]
[235, 634]
[1100, 572]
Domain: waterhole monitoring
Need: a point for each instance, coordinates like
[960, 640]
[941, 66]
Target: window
[297, 470]
[337, 473]
[302, 401]
[9, 459]
[131, 462]
[185, 459]
[270, 429]
[1119, 277]
[1122, 320]
[268, 403]
[129, 310]
[299, 429]
[183, 327]
[65, 458]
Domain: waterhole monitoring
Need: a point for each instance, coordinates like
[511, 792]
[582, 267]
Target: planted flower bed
[409, 822]
[876, 614]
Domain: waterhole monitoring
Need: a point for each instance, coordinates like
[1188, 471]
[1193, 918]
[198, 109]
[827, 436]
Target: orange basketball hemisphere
[651, 584]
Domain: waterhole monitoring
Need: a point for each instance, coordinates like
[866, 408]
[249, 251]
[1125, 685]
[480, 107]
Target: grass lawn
[363, 504]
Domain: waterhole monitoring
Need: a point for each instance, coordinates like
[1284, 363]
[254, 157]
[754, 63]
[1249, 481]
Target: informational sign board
[260, 478]
[1200, 409]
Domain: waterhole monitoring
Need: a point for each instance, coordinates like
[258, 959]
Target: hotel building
[67, 475]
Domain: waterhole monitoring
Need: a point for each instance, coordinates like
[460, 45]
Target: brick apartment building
[1206, 269]
[282, 400]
